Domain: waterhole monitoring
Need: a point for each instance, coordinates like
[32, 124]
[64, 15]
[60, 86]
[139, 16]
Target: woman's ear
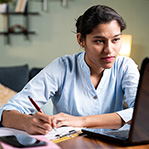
[80, 40]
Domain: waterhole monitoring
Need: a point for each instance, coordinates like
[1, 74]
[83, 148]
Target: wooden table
[85, 142]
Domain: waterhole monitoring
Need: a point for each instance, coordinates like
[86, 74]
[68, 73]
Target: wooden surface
[84, 142]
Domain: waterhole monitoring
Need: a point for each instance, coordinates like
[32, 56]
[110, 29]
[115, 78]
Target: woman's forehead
[107, 30]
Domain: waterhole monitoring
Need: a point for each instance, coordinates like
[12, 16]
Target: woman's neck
[95, 78]
[96, 72]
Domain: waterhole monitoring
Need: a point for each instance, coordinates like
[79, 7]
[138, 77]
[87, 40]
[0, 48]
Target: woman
[87, 89]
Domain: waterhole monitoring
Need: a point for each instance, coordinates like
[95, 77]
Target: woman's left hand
[62, 119]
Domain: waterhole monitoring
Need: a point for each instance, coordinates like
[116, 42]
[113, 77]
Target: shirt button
[95, 97]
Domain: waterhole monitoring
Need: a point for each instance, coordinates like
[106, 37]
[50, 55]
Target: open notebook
[138, 131]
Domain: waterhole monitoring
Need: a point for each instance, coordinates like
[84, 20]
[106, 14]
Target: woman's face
[102, 45]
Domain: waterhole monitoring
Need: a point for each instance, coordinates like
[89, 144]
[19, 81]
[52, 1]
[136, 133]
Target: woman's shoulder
[73, 57]
[123, 61]
[125, 65]
[67, 61]
[71, 60]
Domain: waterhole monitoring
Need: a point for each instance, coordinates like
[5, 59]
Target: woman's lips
[108, 59]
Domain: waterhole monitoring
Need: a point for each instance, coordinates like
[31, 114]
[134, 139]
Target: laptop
[138, 131]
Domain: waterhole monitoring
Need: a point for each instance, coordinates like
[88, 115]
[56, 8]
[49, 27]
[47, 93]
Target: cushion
[5, 94]
[14, 77]
[34, 71]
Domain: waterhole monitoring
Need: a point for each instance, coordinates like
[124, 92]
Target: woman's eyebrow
[118, 35]
[106, 37]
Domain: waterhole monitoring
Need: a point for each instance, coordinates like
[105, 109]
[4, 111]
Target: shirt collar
[83, 64]
[86, 71]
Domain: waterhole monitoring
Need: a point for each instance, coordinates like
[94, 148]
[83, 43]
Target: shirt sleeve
[130, 79]
[126, 114]
[41, 88]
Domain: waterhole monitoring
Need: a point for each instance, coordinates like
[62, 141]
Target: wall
[55, 28]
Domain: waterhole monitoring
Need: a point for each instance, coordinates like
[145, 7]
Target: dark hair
[96, 15]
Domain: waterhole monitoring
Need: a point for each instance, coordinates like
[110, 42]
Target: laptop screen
[140, 122]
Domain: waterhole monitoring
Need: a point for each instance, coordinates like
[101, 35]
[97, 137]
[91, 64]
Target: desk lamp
[126, 45]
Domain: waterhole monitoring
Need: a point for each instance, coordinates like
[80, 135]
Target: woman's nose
[108, 47]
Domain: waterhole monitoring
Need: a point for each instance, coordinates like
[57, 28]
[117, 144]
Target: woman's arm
[39, 123]
[101, 121]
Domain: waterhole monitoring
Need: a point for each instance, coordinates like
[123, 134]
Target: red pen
[35, 104]
[37, 107]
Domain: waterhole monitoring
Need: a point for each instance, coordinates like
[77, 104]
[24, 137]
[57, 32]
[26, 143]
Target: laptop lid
[138, 131]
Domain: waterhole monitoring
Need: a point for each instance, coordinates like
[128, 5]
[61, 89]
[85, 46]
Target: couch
[13, 79]
[16, 77]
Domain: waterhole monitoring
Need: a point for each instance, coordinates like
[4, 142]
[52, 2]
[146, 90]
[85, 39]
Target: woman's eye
[116, 39]
[99, 41]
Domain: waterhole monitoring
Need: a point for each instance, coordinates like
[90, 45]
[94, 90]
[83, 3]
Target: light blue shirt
[66, 81]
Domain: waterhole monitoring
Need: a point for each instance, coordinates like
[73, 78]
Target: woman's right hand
[39, 123]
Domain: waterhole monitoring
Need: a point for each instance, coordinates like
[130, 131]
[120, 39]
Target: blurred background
[55, 29]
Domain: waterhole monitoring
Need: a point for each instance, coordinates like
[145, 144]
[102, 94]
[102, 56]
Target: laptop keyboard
[119, 134]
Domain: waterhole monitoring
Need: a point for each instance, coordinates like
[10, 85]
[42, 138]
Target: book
[3, 8]
[64, 3]
[3, 23]
[45, 7]
[20, 6]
